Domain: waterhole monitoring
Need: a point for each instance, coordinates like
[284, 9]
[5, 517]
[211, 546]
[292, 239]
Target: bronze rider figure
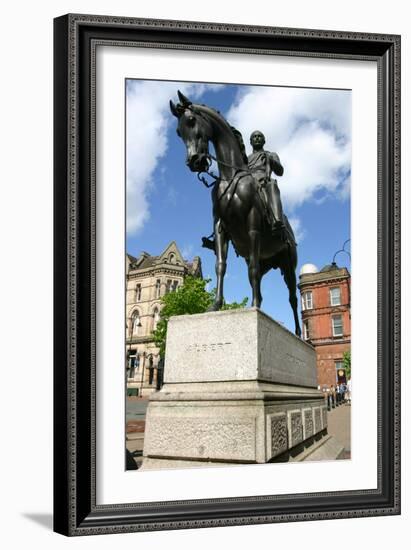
[262, 163]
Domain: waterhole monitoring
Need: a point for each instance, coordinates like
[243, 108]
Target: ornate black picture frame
[75, 42]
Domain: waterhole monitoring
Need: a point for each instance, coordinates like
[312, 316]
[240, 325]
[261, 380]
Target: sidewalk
[339, 426]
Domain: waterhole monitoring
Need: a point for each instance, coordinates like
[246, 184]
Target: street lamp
[143, 355]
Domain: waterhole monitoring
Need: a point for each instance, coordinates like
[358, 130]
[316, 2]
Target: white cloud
[187, 251]
[311, 132]
[299, 232]
[148, 120]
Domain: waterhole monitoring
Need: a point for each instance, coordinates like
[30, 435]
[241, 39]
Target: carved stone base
[231, 394]
[319, 447]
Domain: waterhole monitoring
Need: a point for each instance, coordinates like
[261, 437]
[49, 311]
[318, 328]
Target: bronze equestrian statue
[240, 200]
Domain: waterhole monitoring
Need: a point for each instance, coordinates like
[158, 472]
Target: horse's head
[195, 130]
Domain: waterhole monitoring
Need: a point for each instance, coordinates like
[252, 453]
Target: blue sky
[310, 129]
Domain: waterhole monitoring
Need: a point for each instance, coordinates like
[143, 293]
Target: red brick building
[326, 318]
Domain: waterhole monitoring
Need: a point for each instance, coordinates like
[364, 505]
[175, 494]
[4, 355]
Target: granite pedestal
[238, 388]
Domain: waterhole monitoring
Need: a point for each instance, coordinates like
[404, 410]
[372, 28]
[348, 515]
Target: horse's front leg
[221, 249]
[254, 270]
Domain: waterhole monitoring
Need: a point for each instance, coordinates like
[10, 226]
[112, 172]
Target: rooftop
[171, 255]
[329, 271]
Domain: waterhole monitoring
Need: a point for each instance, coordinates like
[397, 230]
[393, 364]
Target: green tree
[191, 297]
[347, 363]
[235, 305]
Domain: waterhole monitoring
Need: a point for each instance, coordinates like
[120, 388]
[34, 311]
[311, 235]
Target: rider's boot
[275, 207]
[208, 243]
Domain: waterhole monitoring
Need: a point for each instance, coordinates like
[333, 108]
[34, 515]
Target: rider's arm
[268, 167]
[276, 165]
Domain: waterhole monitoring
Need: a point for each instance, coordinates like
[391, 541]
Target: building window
[337, 324]
[306, 330]
[307, 300]
[175, 286]
[133, 363]
[138, 293]
[168, 285]
[158, 288]
[335, 296]
[340, 372]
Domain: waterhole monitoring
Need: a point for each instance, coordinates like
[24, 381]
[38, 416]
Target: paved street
[135, 417]
[135, 414]
[136, 408]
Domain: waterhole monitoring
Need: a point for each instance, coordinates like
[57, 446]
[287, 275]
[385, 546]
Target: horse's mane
[239, 137]
[237, 134]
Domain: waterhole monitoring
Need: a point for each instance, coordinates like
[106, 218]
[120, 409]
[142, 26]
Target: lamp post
[129, 370]
[342, 250]
[143, 355]
[160, 372]
[128, 367]
[333, 263]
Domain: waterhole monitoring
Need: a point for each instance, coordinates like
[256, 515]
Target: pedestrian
[333, 395]
[343, 389]
[349, 389]
[329, 398]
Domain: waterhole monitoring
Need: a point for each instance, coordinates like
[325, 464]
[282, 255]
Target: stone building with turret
[326, 318]
[148, 278]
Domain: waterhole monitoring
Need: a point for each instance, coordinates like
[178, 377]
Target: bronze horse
[238, 209]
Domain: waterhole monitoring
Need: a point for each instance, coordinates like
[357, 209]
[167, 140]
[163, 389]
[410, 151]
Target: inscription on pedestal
[279, 436]
[308, 423]
[297, 362]
[218, 346]
[295, 428]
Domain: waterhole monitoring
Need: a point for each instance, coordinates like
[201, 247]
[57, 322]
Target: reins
[217, 178]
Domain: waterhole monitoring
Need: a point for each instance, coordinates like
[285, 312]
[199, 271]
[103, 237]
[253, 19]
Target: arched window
[158, 288]
[172, 258]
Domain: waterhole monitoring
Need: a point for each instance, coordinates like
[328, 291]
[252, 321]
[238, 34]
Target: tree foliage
[347, 363]
[235, 305]
[191, 297]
